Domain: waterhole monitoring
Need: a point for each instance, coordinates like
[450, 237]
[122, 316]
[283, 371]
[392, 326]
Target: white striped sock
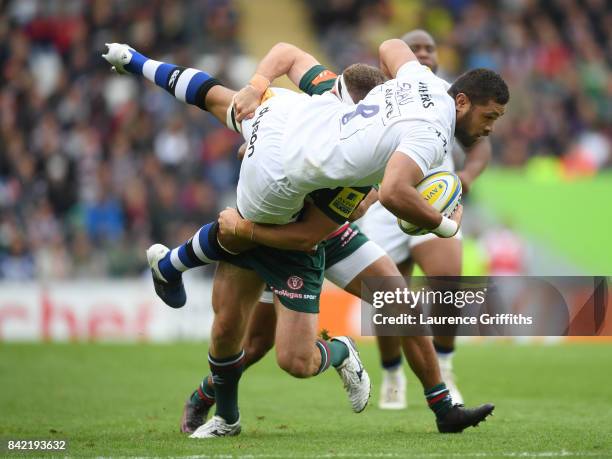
[180, 92]
[197, 249]
[176, 261]
[149, 68]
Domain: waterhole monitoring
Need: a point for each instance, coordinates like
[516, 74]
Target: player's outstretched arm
[477, 158]
[398, 194]
[393, 54]
[189, 85]
[304, 235]
[282, 59]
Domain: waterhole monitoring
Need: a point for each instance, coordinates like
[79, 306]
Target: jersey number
[366, 111]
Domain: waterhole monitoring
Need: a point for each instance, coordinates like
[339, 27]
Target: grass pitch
[126, 400]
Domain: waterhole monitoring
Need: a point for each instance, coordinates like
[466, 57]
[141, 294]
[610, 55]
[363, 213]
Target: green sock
[226, 375]
[205, 393]
[338, 351]
[439, 400]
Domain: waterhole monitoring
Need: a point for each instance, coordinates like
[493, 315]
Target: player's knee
[298, 366]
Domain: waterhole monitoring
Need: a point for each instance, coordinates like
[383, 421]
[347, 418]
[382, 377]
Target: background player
[435, 256]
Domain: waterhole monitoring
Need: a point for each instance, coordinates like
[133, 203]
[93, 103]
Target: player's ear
[462, 103]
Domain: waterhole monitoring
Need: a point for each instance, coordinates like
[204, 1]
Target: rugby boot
[459, 418]
[194, 414]
[171, 293]
[354, 376]
[217, 427]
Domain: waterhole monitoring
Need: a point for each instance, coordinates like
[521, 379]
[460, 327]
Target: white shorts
[267, 296]
[381, 226]
[345, 270]
[264, 194]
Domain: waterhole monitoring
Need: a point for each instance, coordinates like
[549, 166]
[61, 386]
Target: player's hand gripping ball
[442, 190]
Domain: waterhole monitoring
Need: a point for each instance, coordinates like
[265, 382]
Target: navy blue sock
[392, 364]
[186, 84]
[443, 349]
[202, 249]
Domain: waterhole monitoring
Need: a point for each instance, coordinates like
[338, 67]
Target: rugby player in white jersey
[284, 191]
[350, 257]
[435, 256]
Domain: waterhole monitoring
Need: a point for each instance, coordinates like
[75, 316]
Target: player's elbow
[388, 199]
[387, 46]
[285, 48]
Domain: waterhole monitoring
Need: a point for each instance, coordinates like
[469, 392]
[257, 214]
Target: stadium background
[95, 167]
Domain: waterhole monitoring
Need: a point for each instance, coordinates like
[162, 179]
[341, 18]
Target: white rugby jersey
[328, 144]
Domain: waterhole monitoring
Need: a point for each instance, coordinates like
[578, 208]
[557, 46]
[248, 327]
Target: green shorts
[337, 249]
[296, 278]
[343, 244]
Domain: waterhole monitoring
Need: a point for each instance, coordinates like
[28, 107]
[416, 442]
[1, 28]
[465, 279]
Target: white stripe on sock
[224, 364]
[182, 83]
[197, 249]
[176, 261]
[326, 363]
[149, 68]
[436, 393]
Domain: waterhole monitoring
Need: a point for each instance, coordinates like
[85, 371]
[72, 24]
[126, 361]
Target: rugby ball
[442, 190]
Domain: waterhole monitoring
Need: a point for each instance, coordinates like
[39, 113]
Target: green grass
[572, 217]
[126, 400]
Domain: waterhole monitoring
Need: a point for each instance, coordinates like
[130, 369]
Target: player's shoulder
[412, 69]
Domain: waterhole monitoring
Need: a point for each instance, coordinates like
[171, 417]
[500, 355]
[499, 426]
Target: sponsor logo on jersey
[346, 201]
[295, 282]
[348, 236]
[293, 295]
[325, 75]
[253, 138]
[441, 136]
[425, 95]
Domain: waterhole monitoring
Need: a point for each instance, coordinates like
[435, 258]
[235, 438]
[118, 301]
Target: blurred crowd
[94, 168]
[554, 54]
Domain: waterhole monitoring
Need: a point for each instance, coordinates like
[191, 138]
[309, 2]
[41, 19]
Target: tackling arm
[304, 235]
[326, 211]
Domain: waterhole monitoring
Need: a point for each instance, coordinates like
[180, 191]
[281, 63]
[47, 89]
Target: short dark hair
[481, 86]
[360, 79]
